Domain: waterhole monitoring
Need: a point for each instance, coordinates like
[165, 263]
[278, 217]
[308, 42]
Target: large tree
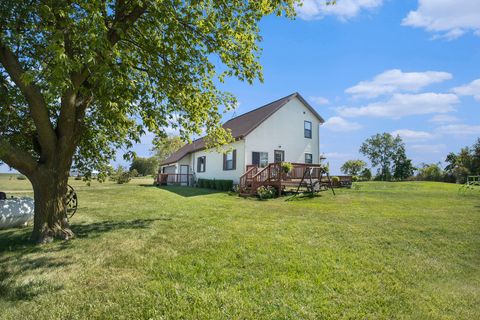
[382, 150]
[402, 166]
[81, 78]
[353, 167]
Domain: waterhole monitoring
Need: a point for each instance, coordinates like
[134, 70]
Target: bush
[134, 173]
[286, 167]
[121, 176]
[267, 192]
[335, 181]
[354, 178]
[21, 177]
[216, 184]
[125, 177]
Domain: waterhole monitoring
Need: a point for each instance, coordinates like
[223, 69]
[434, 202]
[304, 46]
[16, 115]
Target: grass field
[382, 251]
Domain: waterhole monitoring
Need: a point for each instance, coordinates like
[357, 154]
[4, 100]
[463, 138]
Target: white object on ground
[16, 212]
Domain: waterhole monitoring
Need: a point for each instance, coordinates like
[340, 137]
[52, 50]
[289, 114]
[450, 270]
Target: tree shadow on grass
[97, 228]
[17, 239]
[184, 191]
[13, 267]
[14, 286]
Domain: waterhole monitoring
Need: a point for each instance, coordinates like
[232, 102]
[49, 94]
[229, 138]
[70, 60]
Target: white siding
[214, 163]
[284, 130]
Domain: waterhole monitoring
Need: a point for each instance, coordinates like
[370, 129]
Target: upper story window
[308, 158]
[307, 129]
[260, 159]
[229, 160]
[201, 164]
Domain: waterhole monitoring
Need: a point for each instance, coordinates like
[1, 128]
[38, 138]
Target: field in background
[383, 251]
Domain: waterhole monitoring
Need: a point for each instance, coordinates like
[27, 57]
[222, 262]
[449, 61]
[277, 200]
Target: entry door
[184, 170]
[279, 156]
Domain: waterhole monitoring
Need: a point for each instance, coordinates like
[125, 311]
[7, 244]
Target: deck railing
[175, 178]
[247, 177]
[273, 175]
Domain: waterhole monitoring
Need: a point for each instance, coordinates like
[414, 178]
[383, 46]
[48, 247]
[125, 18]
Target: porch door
[279, 155]
[184, 171]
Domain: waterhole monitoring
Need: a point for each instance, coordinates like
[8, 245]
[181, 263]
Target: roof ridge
[265, 105]
[241, 126]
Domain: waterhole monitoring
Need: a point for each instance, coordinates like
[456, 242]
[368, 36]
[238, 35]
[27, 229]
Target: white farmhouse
[285, 130]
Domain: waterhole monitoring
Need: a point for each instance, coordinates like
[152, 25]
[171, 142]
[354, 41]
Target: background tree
[430, 172]
[402, 167]
[381, 150]
[166, 146]
[366, 174]
[466, 162]
[80, 79]
[145, 166]
[353, 167]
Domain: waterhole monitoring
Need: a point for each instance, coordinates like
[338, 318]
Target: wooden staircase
[246, 181]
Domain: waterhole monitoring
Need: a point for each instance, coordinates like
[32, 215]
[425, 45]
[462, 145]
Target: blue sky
[369, 66]
[369, 69]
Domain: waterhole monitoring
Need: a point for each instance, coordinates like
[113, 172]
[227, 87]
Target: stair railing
[247, 176]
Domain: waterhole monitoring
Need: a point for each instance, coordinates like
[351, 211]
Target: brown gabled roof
[242, 125]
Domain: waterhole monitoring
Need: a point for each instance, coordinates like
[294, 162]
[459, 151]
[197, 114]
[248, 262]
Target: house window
[229, 160]
[279, 156]
[260, 159]
[201, 164]
[307, 126]
[308, 158]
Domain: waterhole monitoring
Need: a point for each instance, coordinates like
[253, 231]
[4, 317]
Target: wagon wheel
[71, 202]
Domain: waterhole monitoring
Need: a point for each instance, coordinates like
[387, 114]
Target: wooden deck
[303, 175]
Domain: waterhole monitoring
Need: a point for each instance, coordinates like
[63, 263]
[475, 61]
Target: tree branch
[121, 24]
[35, 99]
[17, 159]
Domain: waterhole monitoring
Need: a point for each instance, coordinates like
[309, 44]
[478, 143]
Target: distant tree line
[387, 154]
[459, 166]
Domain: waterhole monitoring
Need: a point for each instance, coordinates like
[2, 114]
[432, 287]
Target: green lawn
[383, 251]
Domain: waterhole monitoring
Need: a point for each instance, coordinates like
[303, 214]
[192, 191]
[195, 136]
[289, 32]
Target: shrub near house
[216, 184]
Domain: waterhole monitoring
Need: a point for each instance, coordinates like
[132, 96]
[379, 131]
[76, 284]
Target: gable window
[279, 156]
[230, 160]
[307, 129]
[260, 159]
[308, 158]
[201, 164]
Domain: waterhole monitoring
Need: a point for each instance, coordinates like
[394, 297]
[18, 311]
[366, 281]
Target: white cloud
[319, 100]
[428, 148]
[444, 118]
[339, 124]
[343, 9]
[401, 105]
[459, 129]
[412, 135]
[448, 19]
[471, 89]
[396, 80]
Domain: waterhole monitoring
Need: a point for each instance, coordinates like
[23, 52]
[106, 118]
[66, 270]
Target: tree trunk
[50, 220]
